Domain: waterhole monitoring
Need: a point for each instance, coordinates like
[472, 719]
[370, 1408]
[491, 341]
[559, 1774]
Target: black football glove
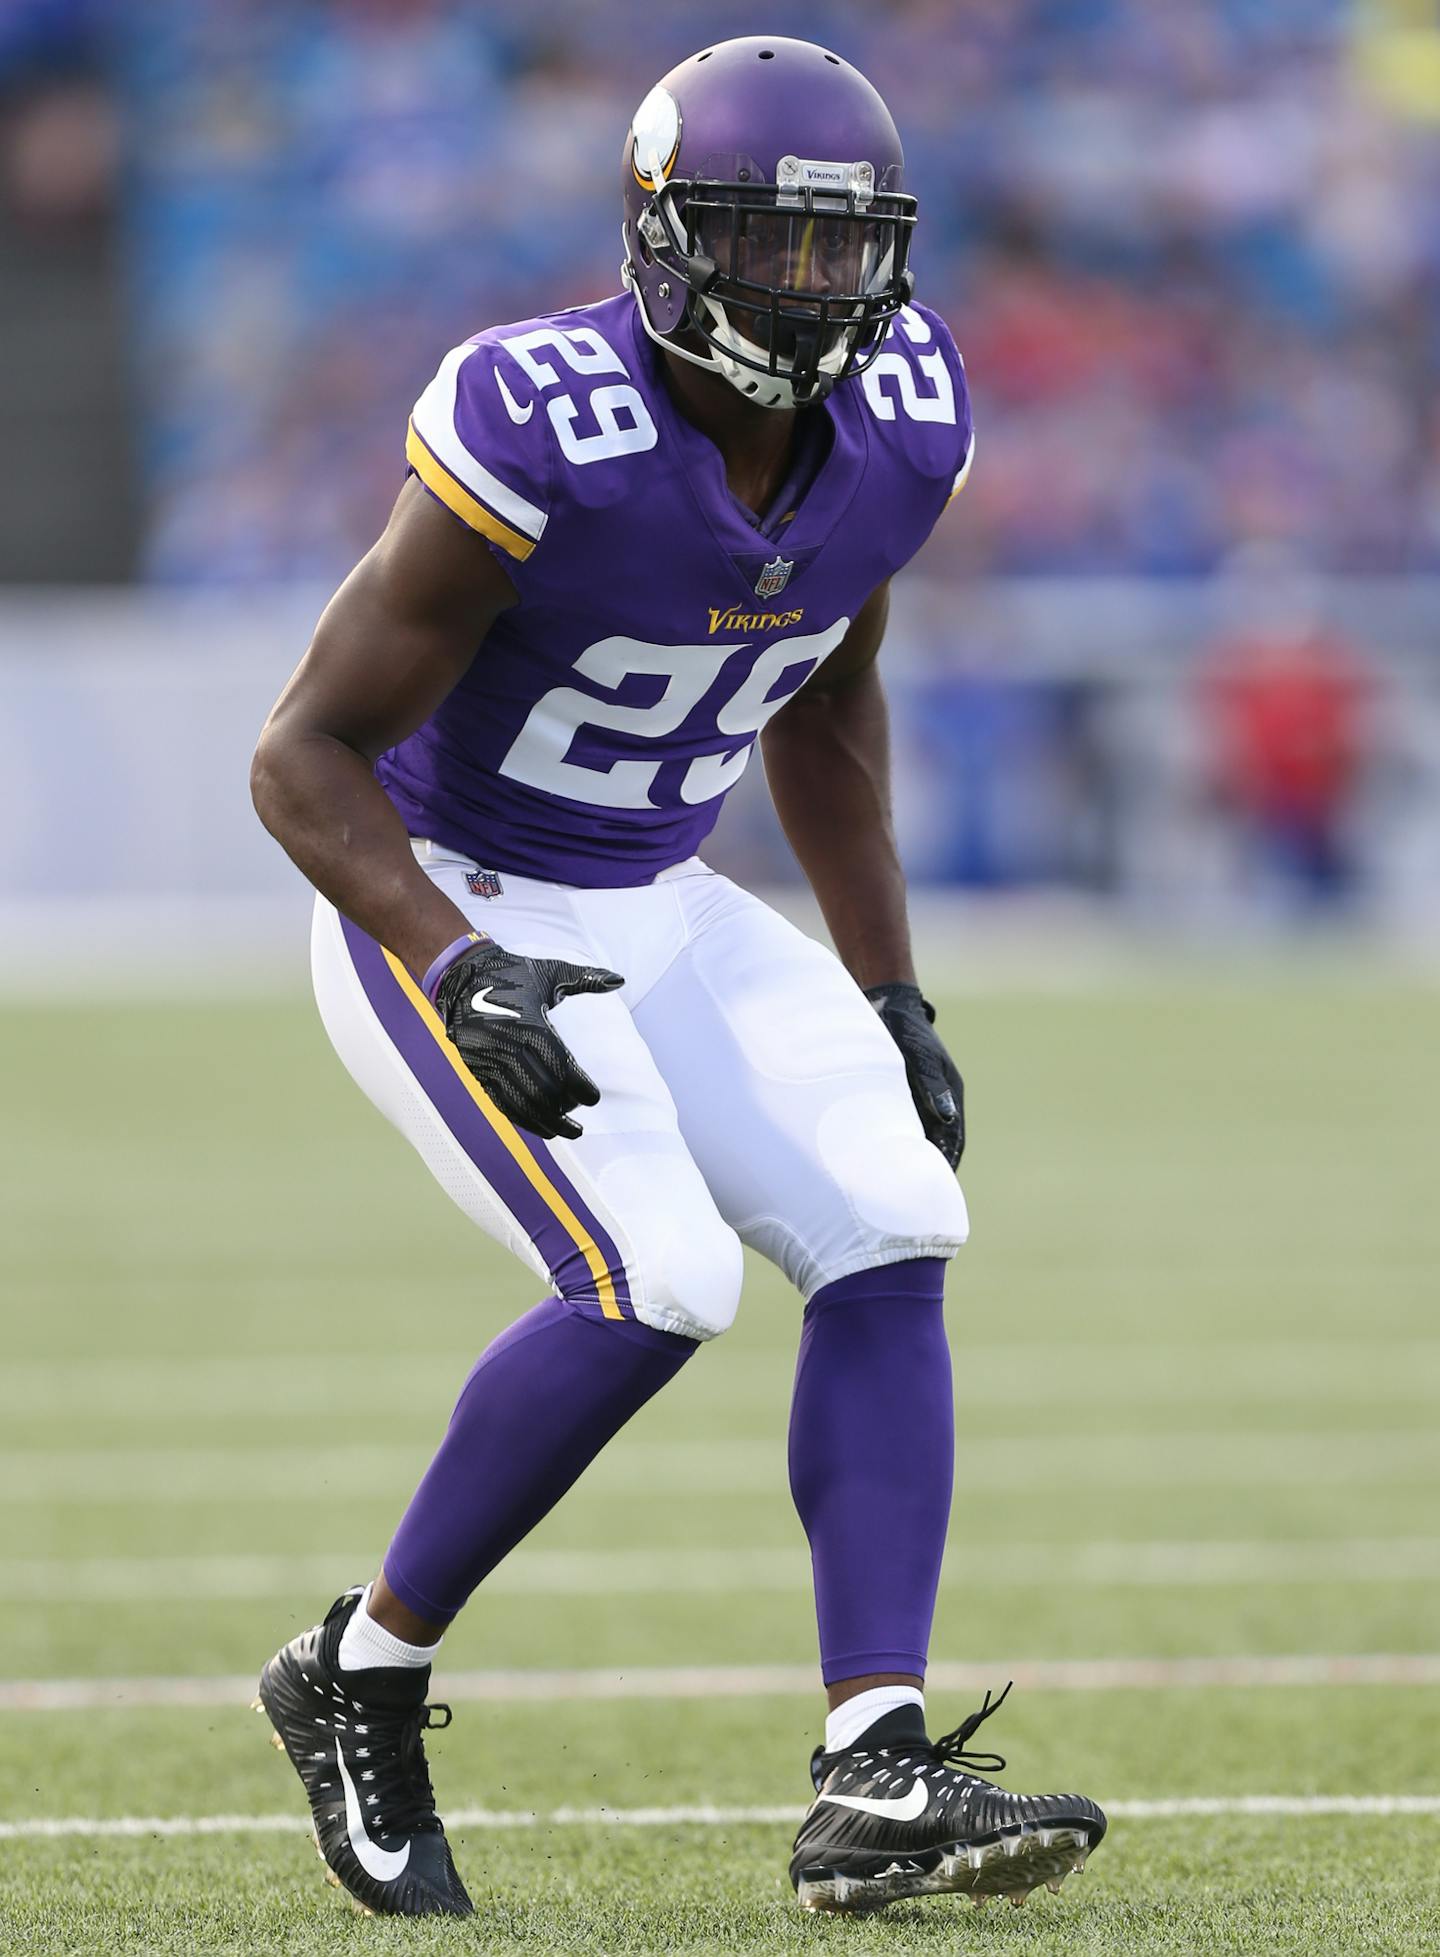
[935, 1084]
[495, 1006]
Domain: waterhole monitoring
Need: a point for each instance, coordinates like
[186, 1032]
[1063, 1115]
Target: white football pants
[748, 1094]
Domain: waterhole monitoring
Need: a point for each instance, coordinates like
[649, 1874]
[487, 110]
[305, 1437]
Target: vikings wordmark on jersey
[620, 699]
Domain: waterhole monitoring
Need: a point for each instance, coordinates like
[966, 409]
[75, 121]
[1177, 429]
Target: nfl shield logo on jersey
[484, 883]
[774, 577]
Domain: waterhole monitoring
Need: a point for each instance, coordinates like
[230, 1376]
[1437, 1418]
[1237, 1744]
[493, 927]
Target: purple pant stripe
[446, 1093]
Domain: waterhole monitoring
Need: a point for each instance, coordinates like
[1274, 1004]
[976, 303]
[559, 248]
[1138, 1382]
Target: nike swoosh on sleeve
[909, 1807]
[385, 1864]
[512, 406]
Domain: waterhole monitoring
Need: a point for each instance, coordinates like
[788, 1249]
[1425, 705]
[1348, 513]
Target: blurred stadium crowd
[1190, 252]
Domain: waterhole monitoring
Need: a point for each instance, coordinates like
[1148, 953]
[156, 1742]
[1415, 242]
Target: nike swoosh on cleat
[482, 1002]
[385, 1864]
[909, 1807]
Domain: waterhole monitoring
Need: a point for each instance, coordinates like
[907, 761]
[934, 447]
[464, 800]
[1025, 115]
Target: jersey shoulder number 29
[486, 433]
[916, 389]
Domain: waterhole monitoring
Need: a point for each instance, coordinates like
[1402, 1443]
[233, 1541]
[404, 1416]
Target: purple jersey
[659, 626]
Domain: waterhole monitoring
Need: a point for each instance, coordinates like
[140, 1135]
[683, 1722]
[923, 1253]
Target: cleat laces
[950, 1748]
[406, 1798]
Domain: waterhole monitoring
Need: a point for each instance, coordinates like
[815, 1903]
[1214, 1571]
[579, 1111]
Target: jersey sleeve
[477, 444]
[967, 431]
[935, 351]
[923, 434]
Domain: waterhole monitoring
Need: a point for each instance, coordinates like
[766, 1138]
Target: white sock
[365, 1644]
[850, 1722]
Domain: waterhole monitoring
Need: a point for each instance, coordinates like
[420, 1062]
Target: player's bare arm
[827, 758]
[391, 644]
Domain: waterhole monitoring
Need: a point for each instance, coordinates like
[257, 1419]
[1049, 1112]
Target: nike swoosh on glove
[496, 1006]
[935, 1084]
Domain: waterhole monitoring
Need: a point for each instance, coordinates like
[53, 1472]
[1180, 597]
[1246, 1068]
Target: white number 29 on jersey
[622, 421]
[938, 404]
[539, 755]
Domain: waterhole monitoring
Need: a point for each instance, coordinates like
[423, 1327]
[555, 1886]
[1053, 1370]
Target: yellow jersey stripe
[514, 1142]
[468, 507]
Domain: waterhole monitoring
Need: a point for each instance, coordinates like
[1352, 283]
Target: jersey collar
[825, 497]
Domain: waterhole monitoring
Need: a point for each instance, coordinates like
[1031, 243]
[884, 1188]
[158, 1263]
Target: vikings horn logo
[656, 134]
[774, 577]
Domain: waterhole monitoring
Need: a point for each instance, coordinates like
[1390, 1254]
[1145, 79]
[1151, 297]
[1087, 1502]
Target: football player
[636, 537]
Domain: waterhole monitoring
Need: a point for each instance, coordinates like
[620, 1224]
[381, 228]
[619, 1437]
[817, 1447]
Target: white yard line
[1227, 1371]
[674, 1572]
[134, 1826]
[107, 1477]
[757, 1681]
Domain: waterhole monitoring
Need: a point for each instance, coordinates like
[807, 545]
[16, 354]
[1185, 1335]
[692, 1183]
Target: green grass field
[1197, 1373]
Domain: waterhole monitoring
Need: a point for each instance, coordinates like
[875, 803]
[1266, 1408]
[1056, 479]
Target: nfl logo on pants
[774, 577]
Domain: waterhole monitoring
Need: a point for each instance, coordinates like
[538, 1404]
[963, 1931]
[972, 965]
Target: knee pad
[691, 1282]
[682, 1260]
[893, 1197]
[897, 1184]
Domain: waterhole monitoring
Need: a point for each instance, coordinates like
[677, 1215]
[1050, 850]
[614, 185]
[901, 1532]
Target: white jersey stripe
[964, 469]
[434, 420]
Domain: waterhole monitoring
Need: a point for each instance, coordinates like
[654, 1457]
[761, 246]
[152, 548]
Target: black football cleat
[362, 1764]
[897, 1817]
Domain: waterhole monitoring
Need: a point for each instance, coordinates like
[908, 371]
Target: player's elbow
[271, 770]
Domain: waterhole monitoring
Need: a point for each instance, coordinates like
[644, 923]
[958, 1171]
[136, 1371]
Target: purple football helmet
[766, 232]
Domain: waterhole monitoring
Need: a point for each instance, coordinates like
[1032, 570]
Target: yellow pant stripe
[514, 1141]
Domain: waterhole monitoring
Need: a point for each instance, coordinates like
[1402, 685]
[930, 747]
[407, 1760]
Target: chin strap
[761, 390]
[765, 390]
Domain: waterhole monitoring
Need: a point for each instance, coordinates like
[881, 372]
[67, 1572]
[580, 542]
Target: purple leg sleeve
[872, 1458]
[537, 1408]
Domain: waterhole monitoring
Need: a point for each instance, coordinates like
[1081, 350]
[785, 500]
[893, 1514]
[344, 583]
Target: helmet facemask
[792, 285]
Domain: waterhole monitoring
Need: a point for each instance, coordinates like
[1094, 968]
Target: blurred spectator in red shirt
[1285, 701]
